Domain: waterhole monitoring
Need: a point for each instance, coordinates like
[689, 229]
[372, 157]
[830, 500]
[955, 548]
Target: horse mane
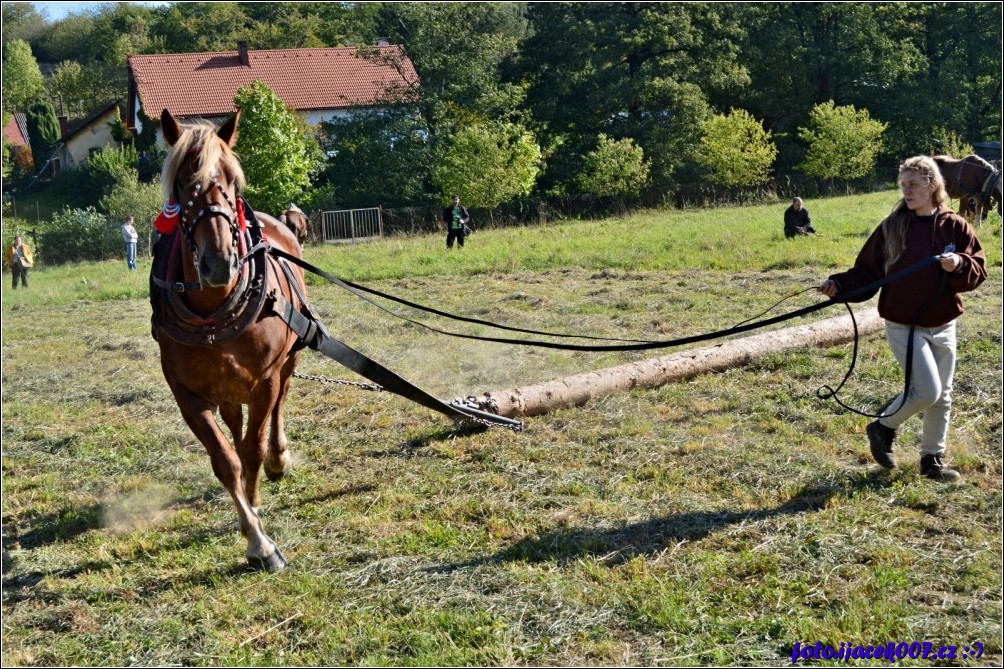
[973, 158]
[210, 152]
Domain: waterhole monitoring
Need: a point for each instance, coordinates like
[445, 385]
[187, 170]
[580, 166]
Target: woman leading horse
[222, 345]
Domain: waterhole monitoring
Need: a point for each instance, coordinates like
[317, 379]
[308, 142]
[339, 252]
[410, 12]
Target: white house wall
[95, 136]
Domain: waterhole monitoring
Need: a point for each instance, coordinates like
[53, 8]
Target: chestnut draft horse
[297, 221]
[971, 178]
[222, 345]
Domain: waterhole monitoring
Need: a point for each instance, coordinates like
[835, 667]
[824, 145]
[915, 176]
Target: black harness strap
[316, 336]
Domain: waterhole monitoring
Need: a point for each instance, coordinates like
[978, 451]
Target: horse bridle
[232, 216]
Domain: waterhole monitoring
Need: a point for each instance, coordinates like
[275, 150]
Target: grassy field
[717, 521]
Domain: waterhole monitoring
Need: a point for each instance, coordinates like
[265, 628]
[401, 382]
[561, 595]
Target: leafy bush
[108, 166]
[87, 183]
[490, 163]
[130, 197]
[736, 150]
[615, 167]
[844, 142]
[948, 143]
[75, 235]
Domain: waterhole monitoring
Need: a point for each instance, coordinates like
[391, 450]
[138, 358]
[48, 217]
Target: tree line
[559, 99]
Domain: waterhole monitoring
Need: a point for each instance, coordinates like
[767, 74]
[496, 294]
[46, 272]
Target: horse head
[202, 174]
[296, 221]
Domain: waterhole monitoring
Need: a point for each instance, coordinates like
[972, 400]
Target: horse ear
[228, 133]
[169, 127]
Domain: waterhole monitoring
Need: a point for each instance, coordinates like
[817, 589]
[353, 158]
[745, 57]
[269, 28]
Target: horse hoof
[282, 466]
[276, 475]
[273, 563]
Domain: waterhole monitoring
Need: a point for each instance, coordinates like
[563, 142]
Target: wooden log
[578, 389]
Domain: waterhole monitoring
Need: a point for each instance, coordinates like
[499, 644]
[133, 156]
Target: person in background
[919, 225]
[131, 238]
[456, 218]
[797, 220]
[19, 258]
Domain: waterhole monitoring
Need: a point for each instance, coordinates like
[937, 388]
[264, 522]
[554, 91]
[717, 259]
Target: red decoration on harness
[167, 222]
[241, 221]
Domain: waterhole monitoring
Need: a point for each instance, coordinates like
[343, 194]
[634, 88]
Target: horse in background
[222, 343]
[971, 179]
[297, 221]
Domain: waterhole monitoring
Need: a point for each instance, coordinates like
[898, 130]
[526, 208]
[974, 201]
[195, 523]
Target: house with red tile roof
[79, 142]
[16, 134]
[319, 84]
[16, 130]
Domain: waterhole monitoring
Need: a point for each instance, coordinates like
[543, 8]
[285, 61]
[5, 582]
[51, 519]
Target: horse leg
[253, 447]
[278, 461]
[233, 416]
[198, 413]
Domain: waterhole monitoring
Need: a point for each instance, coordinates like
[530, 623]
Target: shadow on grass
[62, 525]
[325, 496]
[407, 447]
[652, 536]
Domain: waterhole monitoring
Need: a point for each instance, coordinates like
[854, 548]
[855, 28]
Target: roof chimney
[242, 52]
[64, 126]
[382, 42]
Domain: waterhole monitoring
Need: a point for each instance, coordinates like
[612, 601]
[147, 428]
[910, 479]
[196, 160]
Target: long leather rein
[247, 302]
[825, 392]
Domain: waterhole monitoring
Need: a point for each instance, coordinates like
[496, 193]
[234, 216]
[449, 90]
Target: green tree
[287, 25]
[43, 131]
[277, 155]
[614, 168]
[380, 157]
[67, 86]
[70, 38]
[736, 150]
[21, 21]
[23, 83]
[457, 50]
[915, 66]
[638, 70]
[202, 26]
[488, 164]
[453, 81]
[843, 142]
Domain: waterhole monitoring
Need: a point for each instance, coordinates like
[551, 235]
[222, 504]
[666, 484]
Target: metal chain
[486, 404]
[340, 382]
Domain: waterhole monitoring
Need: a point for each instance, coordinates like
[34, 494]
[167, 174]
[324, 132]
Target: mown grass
[715, 521]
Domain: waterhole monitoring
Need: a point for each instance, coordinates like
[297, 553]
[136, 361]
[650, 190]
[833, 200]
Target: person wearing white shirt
[131, 238]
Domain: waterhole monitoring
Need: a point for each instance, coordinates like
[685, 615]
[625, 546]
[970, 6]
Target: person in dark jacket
[456, 218]
[919, 226]
[797, 220]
